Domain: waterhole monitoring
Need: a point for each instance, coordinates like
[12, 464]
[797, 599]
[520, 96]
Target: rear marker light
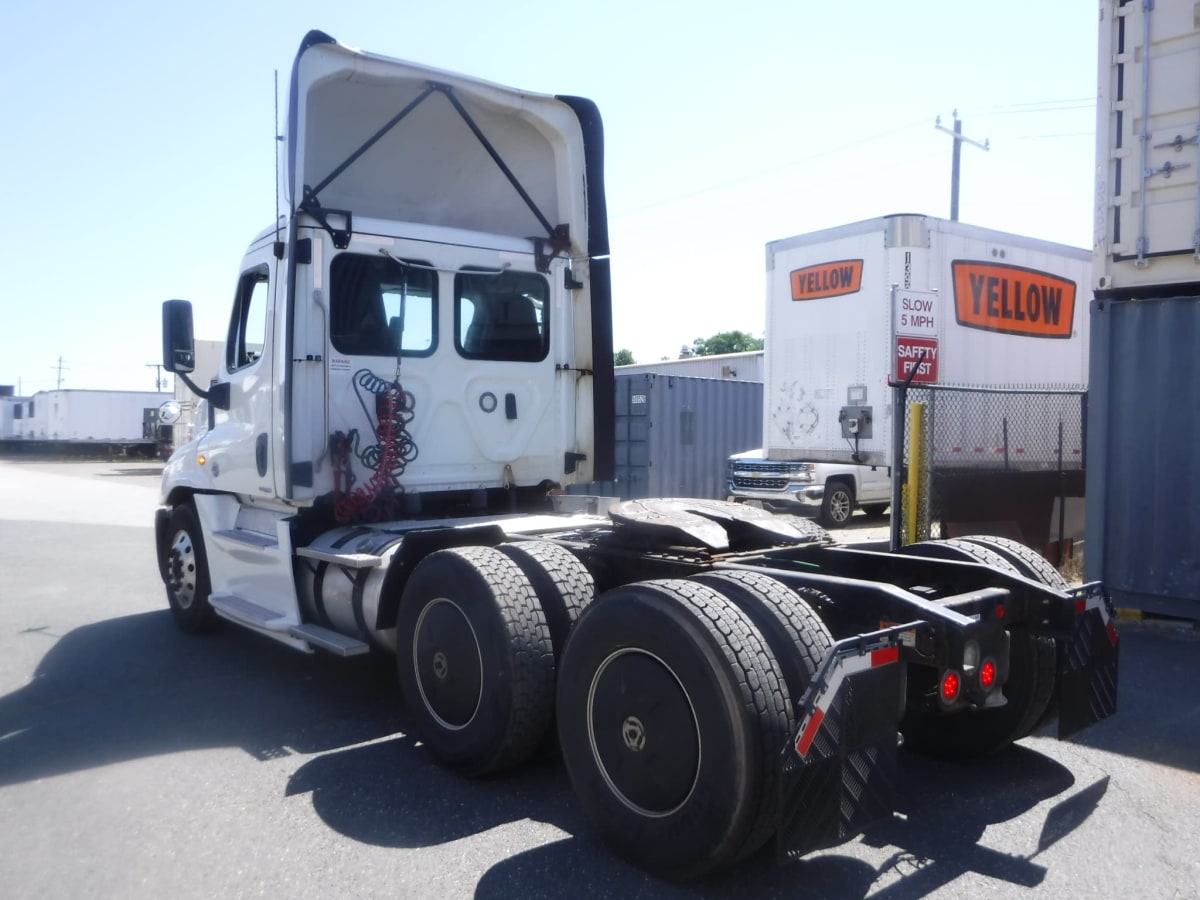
[987, 674]
[999, 610]
[950, 686]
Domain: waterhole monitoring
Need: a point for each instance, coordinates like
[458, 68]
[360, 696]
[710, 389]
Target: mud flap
[839, 771]
[1087, 663]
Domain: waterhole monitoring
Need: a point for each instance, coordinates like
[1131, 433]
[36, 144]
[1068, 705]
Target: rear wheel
[672, 714]
[1028, 690]
[475, 658]
[562, 584]
[875, 509]
[187, 581]
[837, 505]
[797, 637]
[1027, 561]
[1033, 565]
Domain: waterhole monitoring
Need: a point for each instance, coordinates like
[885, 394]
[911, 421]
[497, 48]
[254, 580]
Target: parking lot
[136, 761]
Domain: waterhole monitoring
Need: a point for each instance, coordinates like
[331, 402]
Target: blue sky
[139, 160]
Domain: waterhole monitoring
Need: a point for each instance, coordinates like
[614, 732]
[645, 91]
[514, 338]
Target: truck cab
[830, 491]
[426, 325]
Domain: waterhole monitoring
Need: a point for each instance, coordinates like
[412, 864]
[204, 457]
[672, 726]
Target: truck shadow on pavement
[135, 687]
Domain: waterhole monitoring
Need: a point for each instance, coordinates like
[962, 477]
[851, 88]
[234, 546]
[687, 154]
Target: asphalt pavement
[139, 762]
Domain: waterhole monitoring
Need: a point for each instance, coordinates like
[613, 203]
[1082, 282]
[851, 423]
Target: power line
[676, 198]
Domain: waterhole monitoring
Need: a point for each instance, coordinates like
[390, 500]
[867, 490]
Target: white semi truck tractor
[417, 366]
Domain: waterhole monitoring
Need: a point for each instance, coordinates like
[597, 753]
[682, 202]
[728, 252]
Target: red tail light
[951, 684]
[987, 674]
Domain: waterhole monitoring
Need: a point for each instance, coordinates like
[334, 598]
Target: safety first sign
[916, 320]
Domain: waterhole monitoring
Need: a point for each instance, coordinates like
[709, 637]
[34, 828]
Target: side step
[349, 560]
[247, 612]
[330, 640]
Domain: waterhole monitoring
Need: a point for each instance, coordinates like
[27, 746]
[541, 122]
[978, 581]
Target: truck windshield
[365, 313]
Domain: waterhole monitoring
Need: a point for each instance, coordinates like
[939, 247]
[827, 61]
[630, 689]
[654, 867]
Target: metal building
[747, 366]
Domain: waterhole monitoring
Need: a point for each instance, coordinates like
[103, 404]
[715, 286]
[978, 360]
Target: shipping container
[674, 433]
[1148, 148]
[1143, 484]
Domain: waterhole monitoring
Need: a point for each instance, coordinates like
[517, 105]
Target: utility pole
[158, 379]
[60, 368]
[954, 165]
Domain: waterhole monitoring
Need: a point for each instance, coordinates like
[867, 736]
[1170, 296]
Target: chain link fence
[999, 457]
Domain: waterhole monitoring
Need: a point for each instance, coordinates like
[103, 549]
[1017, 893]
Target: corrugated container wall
[675, 433]
[1143, 482]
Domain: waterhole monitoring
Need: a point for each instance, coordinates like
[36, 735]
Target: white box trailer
[88, 415]
[854, 308]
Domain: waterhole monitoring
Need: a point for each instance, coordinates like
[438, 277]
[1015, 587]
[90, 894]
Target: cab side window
[248, 325]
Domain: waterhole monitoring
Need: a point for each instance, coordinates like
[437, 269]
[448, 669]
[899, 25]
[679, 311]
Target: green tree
[623, 357]
[726, 342]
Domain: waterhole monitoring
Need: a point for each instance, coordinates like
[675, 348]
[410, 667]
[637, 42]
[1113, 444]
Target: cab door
[238, 449]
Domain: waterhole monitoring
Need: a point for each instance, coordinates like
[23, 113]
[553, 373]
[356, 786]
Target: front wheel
[187, 579]
[838, 505]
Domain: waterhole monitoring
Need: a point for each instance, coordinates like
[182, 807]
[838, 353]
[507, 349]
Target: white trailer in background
[854, 309]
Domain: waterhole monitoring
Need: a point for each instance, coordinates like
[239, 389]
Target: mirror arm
[217, 394]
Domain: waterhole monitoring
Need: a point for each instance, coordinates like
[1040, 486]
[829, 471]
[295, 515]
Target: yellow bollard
[916, 461]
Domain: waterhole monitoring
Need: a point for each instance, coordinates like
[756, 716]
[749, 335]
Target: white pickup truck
[830, 490]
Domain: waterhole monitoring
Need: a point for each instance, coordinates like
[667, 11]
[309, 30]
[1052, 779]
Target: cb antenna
[278, 141]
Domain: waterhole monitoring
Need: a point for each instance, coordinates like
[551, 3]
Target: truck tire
[187, 578]
[672, 714]
[475, 659]
[875, 509]
[1033, 565]
[1032, 665]
[564, 587]
[838, 504]
[1028, 561]
[797, 637]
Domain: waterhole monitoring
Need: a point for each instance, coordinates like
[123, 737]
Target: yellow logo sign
[1013, 300]
[831, 279]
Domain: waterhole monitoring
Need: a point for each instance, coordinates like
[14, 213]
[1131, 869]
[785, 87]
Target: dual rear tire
[673, 709]
[477, 637]
[1032, 669]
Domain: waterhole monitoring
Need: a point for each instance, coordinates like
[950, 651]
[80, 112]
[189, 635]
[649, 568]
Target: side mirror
[179, 345]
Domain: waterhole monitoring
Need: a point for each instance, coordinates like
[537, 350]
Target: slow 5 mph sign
[916, 317]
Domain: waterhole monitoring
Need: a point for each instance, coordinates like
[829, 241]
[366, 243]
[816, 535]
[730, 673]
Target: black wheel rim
[643, 732]
[448, 664]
